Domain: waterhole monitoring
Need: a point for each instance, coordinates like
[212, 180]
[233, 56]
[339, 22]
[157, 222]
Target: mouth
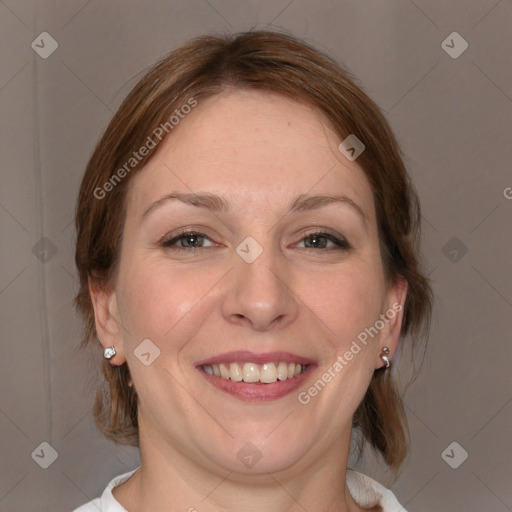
[256, 377]
[249, 372]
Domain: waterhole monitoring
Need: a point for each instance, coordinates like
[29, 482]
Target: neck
[168, 476]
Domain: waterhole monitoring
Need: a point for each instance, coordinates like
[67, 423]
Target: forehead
[254, 148]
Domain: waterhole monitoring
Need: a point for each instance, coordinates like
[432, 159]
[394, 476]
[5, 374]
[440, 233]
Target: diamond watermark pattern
[351, 147]
[146, 352]
[454, 250]
[454, 455]
[44, 45]
[249, 455]
[454, 45]
[45, 455]
[44, 250]
[249, 249]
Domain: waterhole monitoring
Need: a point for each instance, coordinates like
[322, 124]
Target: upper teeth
[252, 372]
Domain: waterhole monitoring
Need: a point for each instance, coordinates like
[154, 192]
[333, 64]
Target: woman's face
[275, 271]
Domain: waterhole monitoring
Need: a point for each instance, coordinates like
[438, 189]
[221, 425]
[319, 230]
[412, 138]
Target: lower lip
[258, 392]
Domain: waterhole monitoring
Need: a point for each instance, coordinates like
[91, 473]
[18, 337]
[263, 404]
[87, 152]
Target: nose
[260, 294]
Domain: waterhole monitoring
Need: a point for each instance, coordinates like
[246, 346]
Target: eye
[319, 240]
[193, 240]
[187, 240]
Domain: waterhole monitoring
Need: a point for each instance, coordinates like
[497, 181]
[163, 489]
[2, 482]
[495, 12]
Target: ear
[108, 326]
[392, 316]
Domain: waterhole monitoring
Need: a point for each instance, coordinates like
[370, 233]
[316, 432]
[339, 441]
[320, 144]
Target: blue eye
[321, 241]
[193, 240]
[187, 240]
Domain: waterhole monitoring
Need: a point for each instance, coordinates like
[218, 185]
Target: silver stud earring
[109, 352]
[384, 356]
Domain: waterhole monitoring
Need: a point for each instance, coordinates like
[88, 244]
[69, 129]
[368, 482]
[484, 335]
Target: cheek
[160, 302]
[346, 301]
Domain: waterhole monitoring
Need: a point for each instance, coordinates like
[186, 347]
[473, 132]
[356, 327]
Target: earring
[109, 352]
[384, 356]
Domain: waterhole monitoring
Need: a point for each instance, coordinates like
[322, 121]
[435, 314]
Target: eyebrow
[215, 203]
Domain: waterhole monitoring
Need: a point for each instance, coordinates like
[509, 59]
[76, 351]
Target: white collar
[369, 493]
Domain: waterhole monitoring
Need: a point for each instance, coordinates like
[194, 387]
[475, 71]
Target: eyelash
[342, 243]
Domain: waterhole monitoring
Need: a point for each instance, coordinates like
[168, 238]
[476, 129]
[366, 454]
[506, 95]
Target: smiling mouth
[253, 373]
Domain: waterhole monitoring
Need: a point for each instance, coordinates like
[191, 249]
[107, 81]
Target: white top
[365, 491]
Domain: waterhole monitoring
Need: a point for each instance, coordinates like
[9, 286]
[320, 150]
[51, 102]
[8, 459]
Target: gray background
[453, 117]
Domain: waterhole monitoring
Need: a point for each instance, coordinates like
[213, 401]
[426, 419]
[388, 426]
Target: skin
[258, 151]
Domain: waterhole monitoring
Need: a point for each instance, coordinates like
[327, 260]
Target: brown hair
[283, 64]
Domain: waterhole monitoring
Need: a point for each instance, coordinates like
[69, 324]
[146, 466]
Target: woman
[247, 250]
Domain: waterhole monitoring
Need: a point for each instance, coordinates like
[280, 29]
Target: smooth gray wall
[453, 117]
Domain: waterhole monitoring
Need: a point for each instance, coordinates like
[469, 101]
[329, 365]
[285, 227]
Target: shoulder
[369, 493]
[106, 502]
[92, 506]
